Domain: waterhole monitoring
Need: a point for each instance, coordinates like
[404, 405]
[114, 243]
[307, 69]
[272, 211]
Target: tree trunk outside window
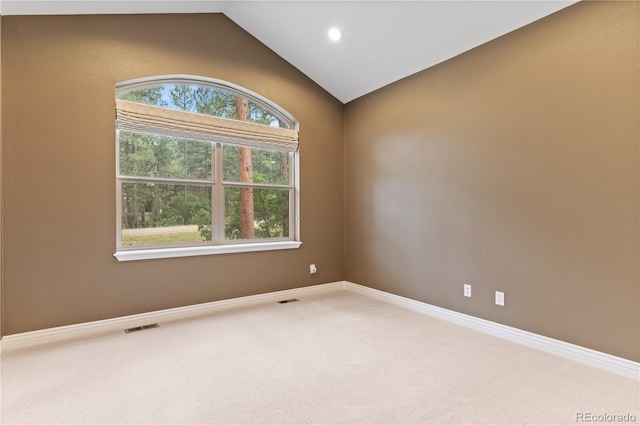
[246, 176]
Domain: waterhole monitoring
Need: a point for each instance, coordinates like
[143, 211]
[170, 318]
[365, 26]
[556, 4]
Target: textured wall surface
[59, 74]
[513, 167]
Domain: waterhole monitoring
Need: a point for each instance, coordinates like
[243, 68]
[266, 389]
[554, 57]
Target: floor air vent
[292, 300]
[141, 328]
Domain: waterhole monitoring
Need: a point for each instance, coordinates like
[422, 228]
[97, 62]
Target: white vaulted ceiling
[384, 41]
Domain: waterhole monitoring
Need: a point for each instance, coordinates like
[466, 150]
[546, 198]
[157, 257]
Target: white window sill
[191, 251]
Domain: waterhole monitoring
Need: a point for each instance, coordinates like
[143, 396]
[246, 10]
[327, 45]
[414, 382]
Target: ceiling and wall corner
[384, 41]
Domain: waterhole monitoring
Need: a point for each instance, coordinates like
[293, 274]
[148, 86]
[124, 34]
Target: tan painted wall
[1, 239]
[58, 78]
[512, 167]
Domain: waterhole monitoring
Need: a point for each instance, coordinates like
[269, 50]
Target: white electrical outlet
[467, 290]
[313, 269]
[500, 298]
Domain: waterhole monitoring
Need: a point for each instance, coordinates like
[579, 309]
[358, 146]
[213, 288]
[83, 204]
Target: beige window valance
[145, 118]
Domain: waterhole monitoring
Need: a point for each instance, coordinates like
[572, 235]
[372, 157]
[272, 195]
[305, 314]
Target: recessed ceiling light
[335, 34]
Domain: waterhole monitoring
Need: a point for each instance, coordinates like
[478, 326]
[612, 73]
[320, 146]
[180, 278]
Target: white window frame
[218, 245]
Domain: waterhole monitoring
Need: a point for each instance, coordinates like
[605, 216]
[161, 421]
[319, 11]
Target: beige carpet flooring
[336, 358]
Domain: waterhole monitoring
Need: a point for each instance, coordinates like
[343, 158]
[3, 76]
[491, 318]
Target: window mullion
[161, 180]
[217, 213]
[294, 221]
[257, 185]
[118, 214]
[118, 194]
[292, 197]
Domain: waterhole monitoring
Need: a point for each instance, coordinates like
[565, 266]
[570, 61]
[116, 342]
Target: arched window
[203, 167]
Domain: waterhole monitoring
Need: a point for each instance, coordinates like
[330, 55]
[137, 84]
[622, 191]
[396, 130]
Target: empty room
[331, 212]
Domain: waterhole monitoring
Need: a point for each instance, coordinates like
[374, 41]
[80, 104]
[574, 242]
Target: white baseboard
[617, 365]
[584, 355]
[118, 324]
